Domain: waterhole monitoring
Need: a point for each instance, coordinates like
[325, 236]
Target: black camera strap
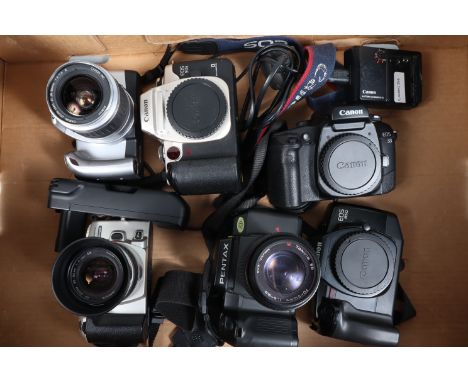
[176, 299]
[404, 308]
[218, 218]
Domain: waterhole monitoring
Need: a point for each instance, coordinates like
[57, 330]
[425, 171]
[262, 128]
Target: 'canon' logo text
[344, 113]
[364, 263]
[353, 164]
[146, 110]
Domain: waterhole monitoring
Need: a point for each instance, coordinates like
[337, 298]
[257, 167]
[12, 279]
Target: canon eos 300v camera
[193, 114]
[258, 277]
[100, 110]
[359, 298]
[349, 153]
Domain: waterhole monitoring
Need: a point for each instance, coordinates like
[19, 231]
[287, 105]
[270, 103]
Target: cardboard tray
[431, 197]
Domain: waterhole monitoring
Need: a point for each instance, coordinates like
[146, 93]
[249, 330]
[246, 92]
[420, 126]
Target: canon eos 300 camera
[258, 276]
[99, 109]
[359, 298]
[193, 114]
[349, 153]
[105, 279]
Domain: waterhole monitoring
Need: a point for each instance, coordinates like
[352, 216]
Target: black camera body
[193, 114]
[380, 77]
[360, 252]
[350, 153]
[258, 276]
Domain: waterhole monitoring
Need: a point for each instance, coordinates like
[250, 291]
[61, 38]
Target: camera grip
[339, 319]
[261, 330]
[284, 178]
[205, 176]
[72, 226]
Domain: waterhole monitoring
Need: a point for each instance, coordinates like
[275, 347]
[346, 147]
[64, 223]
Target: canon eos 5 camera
[359, 298]
[349, 153]
[258, 276]
[193, 114]
[99, 109]
[105, 279]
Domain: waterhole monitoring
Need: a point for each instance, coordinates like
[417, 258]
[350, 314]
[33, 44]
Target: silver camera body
[134, 237]
[156, 121]
[108, 146]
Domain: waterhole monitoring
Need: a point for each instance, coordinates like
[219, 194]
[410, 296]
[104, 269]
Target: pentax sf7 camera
[349, 153]
[359, 298]
[193, 114]
[99, 109]
[258, 275]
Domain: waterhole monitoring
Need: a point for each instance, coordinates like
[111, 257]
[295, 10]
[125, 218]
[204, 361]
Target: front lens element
[99, 275]
[284, 271]
[81, 95]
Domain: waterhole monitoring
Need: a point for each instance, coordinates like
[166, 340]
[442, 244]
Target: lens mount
[283, 272]
[92, 276]
[88, 104]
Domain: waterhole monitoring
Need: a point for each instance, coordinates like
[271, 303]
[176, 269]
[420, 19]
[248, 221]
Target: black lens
[81, 95]
[99, 275]
[96, 275]
[284, 271]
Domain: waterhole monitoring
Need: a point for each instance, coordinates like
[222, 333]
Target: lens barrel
[284, 273]
[92, 276]
[88, 104]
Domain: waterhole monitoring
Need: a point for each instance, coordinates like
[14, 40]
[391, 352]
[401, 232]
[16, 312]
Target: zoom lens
[284, 273]
[81, 95]
[88, 104]
[92, 276]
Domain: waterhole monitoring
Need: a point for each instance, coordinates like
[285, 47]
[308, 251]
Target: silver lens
[88, 104]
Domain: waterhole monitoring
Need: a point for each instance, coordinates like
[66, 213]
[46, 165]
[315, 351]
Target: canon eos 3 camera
[105, 279]
[349, 153]
[99, 109]
[193, 114]
[359, 298]
[258, 276]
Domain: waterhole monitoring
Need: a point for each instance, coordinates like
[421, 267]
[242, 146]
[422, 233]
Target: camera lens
[88, 104]
[283, 273]
[92, 276]
[95, 275]
[81, 95]
[350, 164]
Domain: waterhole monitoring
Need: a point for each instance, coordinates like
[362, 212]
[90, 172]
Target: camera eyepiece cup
[92, 276]
[88, 104]
[284, 273]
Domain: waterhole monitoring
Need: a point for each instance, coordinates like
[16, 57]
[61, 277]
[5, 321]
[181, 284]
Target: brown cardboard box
[431, 197]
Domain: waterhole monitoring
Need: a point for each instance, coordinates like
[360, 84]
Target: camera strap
[176, 299]
[217, 46]
[217, 219]
[404, 308]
